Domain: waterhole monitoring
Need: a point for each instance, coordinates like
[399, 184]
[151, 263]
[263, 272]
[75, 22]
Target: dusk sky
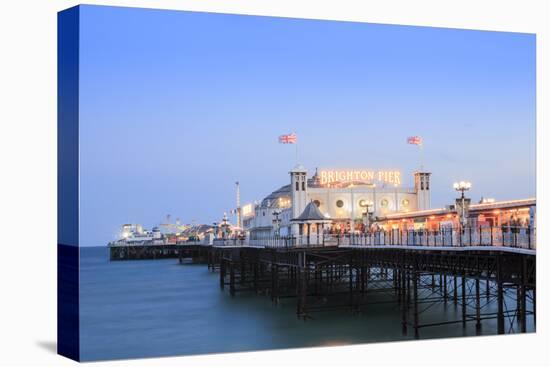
[177, 106]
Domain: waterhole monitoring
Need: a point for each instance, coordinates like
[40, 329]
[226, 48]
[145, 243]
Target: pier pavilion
[349, 199]
[311, 224]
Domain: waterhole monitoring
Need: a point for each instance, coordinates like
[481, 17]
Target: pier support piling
[463, 291]
[405, 303]
[222, 273]
[478, 309]
[415, 306]
[455, 290]
[500, 305]
[445, 293]
[343, 278]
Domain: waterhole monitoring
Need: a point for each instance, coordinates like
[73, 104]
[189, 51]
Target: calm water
[132, 309]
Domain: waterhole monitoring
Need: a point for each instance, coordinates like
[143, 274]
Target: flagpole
[290, 139]
[417, 140]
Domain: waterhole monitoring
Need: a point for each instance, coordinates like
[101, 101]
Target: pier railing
[312, 240]
[278, 241]
[230, 242]
[514, 237]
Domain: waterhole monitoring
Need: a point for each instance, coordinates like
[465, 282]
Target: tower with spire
[298, 194]
[422, 188]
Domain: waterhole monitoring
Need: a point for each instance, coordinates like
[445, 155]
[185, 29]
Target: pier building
[349, 200]
[353, 201]
[499, 214]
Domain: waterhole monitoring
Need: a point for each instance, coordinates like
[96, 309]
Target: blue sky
[177, 106]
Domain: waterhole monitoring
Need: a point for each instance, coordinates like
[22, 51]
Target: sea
[154, 308]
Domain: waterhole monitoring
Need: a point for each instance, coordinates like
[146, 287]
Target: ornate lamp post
[462, 187]
[352, 210]
[224, 226]
[373, 198]
[396, 198]
[367, 213]
[277, 223]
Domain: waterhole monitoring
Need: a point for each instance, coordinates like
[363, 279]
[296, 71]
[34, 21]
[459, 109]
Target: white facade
[346, 204]
[298, 195]
[422, 185]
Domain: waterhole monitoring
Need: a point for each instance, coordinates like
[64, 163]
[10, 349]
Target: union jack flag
[415, 140]
[288, 139]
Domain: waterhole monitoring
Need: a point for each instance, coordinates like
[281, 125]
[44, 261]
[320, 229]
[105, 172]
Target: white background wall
[28, 184]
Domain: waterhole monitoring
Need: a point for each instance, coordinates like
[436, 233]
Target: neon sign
[339, 176]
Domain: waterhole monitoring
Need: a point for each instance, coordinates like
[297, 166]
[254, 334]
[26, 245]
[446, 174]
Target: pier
[485, 275]
[196, 251]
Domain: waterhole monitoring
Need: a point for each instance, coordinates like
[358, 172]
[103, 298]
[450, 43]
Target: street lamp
[224, 226]
[396, 198]
[373, 198]
[352, 211]
[463, 186]
[276, 222]
[367, 214]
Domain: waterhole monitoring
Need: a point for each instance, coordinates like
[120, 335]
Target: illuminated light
[519, 202]
[462, 186]
[421, 212]
[328, 177]
[432, 216]
[496, 211]
[449, 215]
[247, 210]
